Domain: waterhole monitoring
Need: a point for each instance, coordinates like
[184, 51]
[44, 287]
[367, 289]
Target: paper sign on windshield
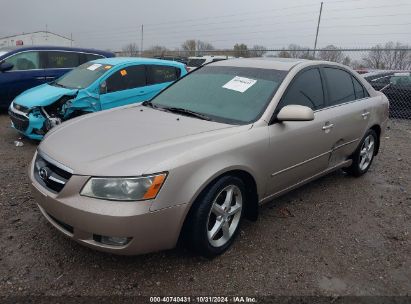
[94, 67]
[239, 84]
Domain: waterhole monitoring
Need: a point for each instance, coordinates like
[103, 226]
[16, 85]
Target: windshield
[82, 76]
[233, 95]
[195, 62]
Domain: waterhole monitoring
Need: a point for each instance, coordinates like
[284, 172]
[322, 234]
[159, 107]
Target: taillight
[187, 69]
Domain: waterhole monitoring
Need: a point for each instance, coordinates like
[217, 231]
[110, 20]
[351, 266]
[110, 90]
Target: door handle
[328, 126]
[365, 114]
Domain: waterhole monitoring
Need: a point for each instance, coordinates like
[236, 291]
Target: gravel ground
[336, 236]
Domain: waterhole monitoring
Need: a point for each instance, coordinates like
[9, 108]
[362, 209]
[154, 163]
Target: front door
[300, 149]
[27, 73]
[124, 86]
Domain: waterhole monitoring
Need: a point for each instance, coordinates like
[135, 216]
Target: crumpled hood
[42, 95]
[127, 141]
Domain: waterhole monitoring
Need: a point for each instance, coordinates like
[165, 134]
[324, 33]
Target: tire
[364, 155]
[211, 229]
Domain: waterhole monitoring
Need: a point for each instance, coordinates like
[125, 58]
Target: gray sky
[111, 24]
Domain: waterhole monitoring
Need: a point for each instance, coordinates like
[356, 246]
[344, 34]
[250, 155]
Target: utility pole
[142, 40]
[318, 28]
[71, 39]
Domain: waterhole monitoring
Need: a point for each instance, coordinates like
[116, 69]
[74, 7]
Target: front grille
[49, 175]
[20, 122]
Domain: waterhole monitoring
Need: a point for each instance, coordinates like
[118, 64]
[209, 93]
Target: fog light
[114, 240]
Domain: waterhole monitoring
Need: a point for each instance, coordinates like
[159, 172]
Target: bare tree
[156, 51]
[396, 56]
[391, 56]
[196, 47]
[295, 51]
[130, 50]
[241, 50]
[258, 51]
[189, 47]
[203, 47]
[331, 53]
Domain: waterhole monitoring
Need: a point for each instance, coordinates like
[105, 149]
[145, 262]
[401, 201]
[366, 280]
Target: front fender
[186, 181]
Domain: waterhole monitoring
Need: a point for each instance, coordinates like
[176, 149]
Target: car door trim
[314, 158]
[301, 163]
[345, 163]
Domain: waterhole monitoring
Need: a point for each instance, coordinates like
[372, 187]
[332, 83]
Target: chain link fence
[386, 69]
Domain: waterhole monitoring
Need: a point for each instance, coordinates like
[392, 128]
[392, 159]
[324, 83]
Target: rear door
[60, 62]
[27, 72]
[124, 86]
[300, 149]
[159, 77]
[349, 106]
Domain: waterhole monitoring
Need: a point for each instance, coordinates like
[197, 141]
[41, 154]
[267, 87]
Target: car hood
[42, 95]
[126, 141]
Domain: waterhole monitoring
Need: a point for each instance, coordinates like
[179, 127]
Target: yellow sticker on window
[123, 72]
[107, 67]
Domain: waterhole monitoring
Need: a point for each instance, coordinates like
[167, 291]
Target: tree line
[391, 56]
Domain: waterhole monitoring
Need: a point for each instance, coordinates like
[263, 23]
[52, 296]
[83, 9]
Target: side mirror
[103, 88]
[5, 66]
[295, 113]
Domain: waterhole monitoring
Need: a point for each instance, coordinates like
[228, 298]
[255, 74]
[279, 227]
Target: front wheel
[364, 155]
[216, 215]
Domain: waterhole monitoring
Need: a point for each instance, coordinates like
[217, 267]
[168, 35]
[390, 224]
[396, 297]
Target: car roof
[16, 49]
[139, 60]
[383, 73]
[284, 64]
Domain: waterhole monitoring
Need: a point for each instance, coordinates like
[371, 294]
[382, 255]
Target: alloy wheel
[367, 152]
[224, 215]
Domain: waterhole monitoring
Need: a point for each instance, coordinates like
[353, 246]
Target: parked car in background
[94, 86]
[178, 58]
[208, 150]
[22, 68]
[396, 85]
[195, 62]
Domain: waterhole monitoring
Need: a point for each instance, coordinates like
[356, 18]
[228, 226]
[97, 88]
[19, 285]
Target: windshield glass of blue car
[233, 95]
[82, 76]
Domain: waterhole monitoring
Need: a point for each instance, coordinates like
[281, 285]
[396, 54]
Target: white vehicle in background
[197, 61]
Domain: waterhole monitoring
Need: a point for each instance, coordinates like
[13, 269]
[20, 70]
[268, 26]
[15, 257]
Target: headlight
[124, 188]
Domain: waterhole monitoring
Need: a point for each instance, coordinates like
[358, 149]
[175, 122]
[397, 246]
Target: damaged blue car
[94, 86]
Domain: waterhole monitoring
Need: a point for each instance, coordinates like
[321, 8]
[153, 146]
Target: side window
[340, 86]
[162, 73]
[305, 90]
[88, 57]
[25, 61]
[360, 91]
[127, 78]
[401, 80]
[62, 60]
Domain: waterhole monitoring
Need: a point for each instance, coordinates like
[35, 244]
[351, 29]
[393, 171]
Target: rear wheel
[216, 215]
[364, 155]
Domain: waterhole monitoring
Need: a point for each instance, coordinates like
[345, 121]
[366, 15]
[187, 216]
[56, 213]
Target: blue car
[94, 86]
[22, 68]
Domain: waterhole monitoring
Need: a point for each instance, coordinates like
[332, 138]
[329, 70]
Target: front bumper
[84, 219]
[27, 124]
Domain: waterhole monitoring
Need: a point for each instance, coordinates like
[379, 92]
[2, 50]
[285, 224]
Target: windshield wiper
[148, 103]
[186, 112]
[57, 84]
